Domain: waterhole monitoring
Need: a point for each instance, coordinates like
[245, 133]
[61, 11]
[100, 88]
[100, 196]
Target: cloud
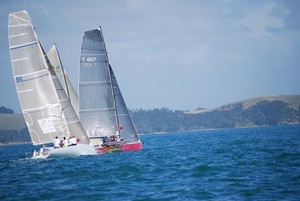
[259, 21]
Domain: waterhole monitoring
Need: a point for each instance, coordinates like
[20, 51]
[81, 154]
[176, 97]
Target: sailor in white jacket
[56, 143]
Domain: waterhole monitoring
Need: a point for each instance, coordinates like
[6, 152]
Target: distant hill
[9, 120]
[293, 101]
[14, 136]
[6, 110]
[12, 121]
[12, 127]
[259, 111]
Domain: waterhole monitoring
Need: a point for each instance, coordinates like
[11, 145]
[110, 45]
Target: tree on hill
[6, 110]
[14, 136]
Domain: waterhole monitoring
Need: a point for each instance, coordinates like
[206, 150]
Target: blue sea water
[233, 164]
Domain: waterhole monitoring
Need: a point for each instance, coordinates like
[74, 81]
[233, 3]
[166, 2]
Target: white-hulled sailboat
[46, 107]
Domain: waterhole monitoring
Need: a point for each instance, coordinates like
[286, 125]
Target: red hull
[124, 147]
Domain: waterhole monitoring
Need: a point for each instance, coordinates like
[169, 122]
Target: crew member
[56, 143]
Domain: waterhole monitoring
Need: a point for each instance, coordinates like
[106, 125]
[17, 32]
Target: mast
[63, 72]
[112, 87]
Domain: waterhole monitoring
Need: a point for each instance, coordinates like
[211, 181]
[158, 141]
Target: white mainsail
[102, 110]
[46, 108]
[63, 77]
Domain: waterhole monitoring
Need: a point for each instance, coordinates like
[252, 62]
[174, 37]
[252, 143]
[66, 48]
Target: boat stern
[132, 146]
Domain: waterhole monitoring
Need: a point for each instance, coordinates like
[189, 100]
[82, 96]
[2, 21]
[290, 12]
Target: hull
[70, 151]
[120, 148]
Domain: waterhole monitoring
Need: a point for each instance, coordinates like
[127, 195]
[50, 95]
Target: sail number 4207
[88, 59]
[91, 59]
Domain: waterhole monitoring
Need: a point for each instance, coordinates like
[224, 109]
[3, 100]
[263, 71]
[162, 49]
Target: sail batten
[23, 45]
[21, 59]
[94, 82]
[22, 34]
[99, 109]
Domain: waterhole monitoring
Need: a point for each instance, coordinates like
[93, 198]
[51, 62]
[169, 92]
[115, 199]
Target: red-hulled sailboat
[102, 109]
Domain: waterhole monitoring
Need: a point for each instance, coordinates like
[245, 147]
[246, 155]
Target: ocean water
[233, 164]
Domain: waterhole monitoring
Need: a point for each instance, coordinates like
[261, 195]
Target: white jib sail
[63, 77]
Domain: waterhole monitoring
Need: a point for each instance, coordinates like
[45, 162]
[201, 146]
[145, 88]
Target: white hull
[71, 151]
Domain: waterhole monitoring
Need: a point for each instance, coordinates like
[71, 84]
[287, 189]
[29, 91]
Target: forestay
[46, 108]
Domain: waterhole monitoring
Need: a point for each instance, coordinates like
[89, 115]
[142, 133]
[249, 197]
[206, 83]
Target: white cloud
[263, 17]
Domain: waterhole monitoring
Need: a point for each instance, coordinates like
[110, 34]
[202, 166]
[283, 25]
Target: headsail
[63, 77]
[126, 126]
[46, 108]
[102, 109]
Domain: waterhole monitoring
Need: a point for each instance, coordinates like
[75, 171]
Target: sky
[179, 54]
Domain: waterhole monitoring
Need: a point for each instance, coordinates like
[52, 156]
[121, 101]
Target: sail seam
[24, 58]
[94, 54]
[72, 122]
[93, 82]
[93, 110]
[23, 45]
[33, 73]
[120, 115]
[22, 34]
[37, 109]
[19, 79]
[23, 91]
[62, 100]
[20, 18]
[20, 25]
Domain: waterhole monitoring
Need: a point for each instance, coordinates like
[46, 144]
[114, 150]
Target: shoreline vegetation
[215, 129]
[255, 112]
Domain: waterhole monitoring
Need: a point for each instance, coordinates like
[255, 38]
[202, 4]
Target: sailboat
[101, 143]
[102, 109]
[46, 107]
